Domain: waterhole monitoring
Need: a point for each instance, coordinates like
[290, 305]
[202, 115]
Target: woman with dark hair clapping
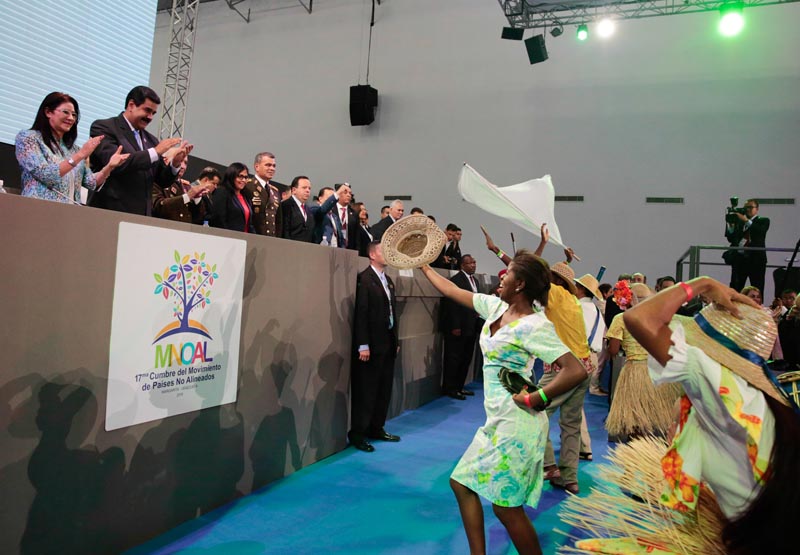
[53, 167]
[232, 210]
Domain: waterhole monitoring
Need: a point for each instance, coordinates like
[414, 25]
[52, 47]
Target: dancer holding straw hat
[736, 443]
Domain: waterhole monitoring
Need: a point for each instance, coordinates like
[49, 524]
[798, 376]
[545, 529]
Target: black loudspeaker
[363, 103]
[512, 33]
[537, 51]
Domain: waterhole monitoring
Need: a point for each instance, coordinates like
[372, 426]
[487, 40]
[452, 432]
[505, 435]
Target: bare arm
[614, 346]
[572, 373]
[544, 233]
[494, 248]
[448, 288]
[648, 321]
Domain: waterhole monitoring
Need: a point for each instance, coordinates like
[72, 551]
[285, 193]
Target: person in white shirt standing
[595, 326]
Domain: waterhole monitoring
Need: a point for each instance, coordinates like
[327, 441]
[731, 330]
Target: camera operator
[746, 228]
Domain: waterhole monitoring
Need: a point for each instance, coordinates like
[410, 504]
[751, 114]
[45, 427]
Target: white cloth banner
[529, 204]
[175, 324]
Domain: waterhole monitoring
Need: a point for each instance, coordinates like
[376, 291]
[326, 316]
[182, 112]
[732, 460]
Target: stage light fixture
[606, 28]
[731, 21]
[513, 33]
[583, 32]
[557, 31]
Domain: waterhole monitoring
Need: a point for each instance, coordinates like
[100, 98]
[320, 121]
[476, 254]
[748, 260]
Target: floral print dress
[40, 175]
[504, 461]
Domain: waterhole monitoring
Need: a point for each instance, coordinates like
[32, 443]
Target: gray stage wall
[665, 108]
[67, 485]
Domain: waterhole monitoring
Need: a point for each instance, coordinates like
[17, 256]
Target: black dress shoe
[456, 395]
[383, 435]
[467, 392]
[362, 445]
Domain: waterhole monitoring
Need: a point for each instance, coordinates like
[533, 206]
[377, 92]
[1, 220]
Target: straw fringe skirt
[617, 523]
[638, 406]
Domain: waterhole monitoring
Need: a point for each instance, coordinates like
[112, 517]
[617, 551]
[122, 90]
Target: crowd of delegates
[127, 169]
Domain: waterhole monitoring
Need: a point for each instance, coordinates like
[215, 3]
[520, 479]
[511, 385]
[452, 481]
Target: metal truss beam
[540, 15]
[183, 29]
[232, 5]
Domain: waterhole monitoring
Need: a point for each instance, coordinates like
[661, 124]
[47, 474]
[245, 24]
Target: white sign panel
[175, 325]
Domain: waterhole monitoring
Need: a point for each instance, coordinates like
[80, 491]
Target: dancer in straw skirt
[737, 435]
[638, 407]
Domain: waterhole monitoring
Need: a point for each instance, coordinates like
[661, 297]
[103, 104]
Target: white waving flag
[529, 204]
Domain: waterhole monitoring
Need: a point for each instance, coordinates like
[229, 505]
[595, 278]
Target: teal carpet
[396, 500]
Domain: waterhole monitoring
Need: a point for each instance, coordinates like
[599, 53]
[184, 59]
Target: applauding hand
[88, 147]
[117, 158]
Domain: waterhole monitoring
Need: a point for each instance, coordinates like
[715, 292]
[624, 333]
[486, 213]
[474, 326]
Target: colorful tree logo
[188, 283]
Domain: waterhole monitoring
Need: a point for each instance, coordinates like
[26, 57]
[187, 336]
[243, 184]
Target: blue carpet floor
[396, 500]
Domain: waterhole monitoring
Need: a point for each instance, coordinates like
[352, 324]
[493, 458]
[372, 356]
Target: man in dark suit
[453, 251]
[128, 188]
[376, 346]
[364, 232]
[460, 326]
[750, 230]
[446, 259]
[396, 211]
[265, 196]
[300, 220]
[343, 221]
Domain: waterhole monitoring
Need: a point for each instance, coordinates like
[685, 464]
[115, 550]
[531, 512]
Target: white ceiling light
[606, 28]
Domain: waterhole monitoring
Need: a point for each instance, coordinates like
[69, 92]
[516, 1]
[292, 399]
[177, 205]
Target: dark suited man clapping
[376, 343]
[129, 187]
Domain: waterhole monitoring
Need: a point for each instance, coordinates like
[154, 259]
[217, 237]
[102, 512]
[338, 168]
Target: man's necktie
[344, 225]
[474, 287]
[138, 136]
[385, 283]
[305, 214]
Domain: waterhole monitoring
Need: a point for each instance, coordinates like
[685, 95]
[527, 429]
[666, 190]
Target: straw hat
[755, 332]
[563, 270]
[790, 383]
[590, 283]
[412, 242]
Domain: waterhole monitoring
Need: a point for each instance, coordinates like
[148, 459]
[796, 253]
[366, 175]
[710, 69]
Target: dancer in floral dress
[504, 461]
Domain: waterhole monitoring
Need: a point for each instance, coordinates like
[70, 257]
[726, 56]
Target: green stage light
[731, 20]
[583, 32]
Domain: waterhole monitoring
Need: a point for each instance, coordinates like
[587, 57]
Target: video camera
[732, 210]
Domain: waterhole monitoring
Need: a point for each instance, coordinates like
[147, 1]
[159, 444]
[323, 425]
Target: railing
[694, 262]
